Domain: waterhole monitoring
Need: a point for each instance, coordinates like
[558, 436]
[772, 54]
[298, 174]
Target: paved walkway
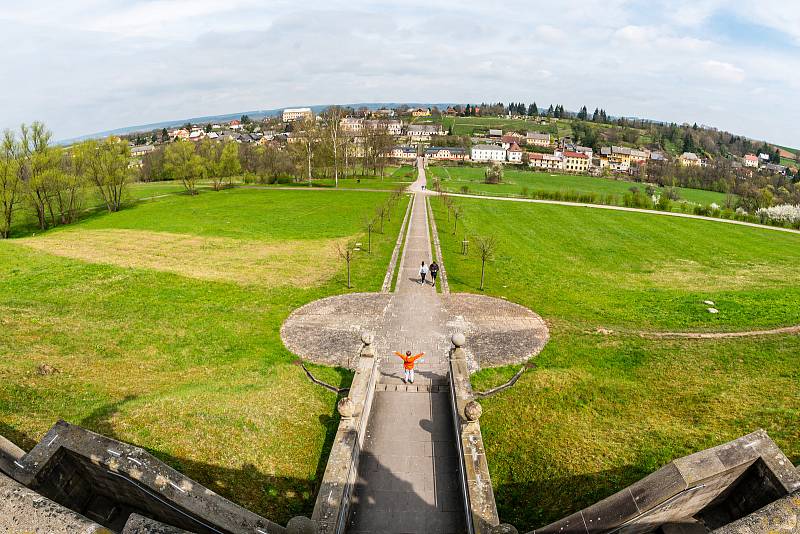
[408, 473]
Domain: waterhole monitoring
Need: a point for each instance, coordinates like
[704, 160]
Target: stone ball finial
[458, 339]
[367, 338]
[473, 411]
[346, 407]
[504, 528]
[301, 525]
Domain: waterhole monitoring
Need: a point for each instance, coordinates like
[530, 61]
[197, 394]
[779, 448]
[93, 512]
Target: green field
[600, 410]
[453, 179]
[163, 321]
[395, 177]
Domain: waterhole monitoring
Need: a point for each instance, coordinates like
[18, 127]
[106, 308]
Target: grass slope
[601, 411]
[189, 368]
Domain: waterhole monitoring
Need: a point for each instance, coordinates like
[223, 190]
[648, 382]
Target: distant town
[416, 132]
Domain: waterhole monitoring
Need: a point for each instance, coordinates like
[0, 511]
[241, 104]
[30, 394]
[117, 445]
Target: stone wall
[332, 507]
[703, 491]
[108, 482]
[480, 506]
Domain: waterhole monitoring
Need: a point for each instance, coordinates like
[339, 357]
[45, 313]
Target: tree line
[315, 148]
[52, 181]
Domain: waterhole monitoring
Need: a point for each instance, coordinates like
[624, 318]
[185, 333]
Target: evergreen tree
[688, 142]
[583, 113]
[596, 115]
[468, 111]
[533, 111]
[550, 111]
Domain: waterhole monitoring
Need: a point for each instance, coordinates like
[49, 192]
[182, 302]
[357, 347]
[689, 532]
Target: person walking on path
[434, 268]
[423, 271]
[408, 364]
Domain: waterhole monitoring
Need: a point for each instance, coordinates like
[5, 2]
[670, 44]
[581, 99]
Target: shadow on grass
[537, 503]
[273, 497]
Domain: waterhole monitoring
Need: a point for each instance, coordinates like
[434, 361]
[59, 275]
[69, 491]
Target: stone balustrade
[333, 500]
[480, 506]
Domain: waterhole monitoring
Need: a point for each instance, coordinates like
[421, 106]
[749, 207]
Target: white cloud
[723, 71]
[91, 65]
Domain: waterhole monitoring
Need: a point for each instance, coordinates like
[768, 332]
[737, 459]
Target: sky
[85, 66]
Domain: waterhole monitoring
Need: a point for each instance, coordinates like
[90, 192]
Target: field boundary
[625, 209]
[437, 247]
[721, 335]
[390, 270]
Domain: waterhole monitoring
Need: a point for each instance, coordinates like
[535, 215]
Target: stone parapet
[332, 507]
[710, 488]
[480, 506]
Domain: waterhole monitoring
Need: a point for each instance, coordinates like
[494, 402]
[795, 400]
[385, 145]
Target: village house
[394, 127]
[446, 153]
[423, 132]
[421, 112]
[575, 162]
[638, 157]
[488, 153]
[403, 152]
[495, 133]
[689, 159]
[383, 113]
[196, 134]
[775, 168]
[549, 162]
[352, 124]
[585, 150]
[235, 125]
[537, 139]
[751, 160]
[514, 153]
[294, 114]
[139, 151]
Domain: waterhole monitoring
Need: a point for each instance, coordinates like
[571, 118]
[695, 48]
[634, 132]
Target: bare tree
[308, 137]
[486, 246]
[380, 212]
[333, 133]
[457, 214]
[369, 225]
[346, 253]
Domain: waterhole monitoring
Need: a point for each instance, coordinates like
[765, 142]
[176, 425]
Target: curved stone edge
[541, 327]
[298, 350]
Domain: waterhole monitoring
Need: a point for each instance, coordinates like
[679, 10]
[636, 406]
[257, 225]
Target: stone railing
[333, 500]
[479, 504]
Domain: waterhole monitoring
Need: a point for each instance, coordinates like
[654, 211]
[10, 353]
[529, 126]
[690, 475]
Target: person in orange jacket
[408, 364]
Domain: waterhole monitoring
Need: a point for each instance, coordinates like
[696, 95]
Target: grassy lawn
[601, 411]
[454, 178]
[394, 177]
[163, 324]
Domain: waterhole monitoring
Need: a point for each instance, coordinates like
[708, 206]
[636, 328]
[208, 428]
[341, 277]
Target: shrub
[465, 189]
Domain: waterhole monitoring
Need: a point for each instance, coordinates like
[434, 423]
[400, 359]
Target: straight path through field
[408, 474]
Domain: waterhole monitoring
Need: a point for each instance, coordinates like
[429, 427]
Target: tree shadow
[541, 501]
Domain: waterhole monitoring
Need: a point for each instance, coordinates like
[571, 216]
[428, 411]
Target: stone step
[414, 388]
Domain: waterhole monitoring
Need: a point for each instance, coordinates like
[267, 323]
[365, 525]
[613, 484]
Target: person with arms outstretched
[408, 364]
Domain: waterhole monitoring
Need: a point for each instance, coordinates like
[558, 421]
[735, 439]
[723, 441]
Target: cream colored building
[295, 114]
[549, 162]
[576, 162]
[690, 159]
[537, 139]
